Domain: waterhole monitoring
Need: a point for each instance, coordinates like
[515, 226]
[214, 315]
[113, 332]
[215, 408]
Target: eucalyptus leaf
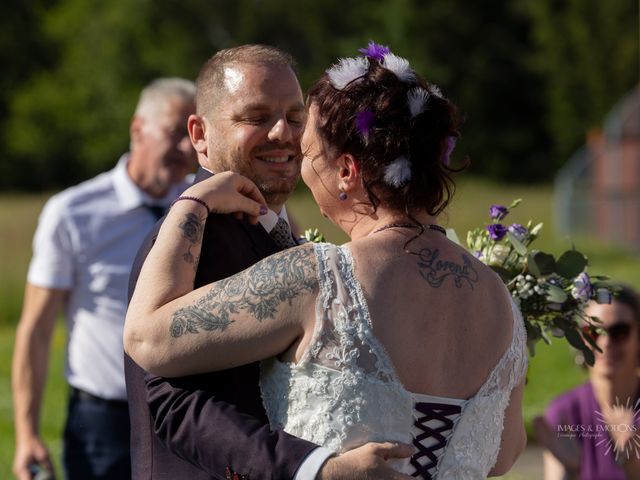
[504, 274]
[571, 263]
[540, 263]
[574, 338]
[517, 244]
[591, 341]
[555, 294]
[589, 357]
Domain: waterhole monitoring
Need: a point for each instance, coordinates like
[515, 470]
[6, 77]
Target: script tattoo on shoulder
[192, 228]
[435, 271]
[260, 290]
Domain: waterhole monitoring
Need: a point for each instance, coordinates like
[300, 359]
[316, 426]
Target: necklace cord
[430, 226]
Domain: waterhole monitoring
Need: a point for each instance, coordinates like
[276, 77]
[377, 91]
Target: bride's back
[444, 318]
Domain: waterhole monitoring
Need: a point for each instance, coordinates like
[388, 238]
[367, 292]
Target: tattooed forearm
[259, 291]
[192, 227]
[435, 271]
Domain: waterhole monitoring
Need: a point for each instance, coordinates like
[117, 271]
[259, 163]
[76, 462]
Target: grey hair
[160, 91]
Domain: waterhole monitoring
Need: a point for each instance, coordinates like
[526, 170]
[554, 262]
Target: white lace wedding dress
[345, 392]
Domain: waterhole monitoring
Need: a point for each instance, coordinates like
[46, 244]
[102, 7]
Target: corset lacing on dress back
[345, 392]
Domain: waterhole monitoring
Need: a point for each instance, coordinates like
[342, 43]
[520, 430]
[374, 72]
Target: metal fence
[597, 192]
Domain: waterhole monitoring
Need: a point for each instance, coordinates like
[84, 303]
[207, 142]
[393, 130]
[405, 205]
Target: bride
[398, 335]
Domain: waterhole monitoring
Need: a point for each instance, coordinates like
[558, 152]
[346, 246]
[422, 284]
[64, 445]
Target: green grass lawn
[54, 404]
[552, 370]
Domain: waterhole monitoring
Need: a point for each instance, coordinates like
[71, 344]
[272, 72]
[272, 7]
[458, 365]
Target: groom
[250, 117]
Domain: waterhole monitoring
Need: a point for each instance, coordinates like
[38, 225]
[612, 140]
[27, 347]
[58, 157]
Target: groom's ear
[348, 172]
[197, 126]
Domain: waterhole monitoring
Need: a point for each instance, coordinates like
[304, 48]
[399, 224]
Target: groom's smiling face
[256, 126]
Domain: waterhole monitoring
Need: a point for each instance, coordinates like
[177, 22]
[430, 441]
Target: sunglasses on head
[617, 333]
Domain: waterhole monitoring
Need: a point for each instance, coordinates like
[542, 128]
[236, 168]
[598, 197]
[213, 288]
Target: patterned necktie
[281, 234]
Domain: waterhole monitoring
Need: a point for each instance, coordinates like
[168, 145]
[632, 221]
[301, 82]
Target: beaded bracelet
[195, 199]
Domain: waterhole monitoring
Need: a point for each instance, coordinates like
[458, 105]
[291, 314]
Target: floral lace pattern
[345, 392]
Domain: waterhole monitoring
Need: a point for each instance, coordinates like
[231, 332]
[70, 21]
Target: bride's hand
[229, 192]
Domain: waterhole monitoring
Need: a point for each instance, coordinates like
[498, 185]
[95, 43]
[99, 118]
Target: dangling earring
[342, 196]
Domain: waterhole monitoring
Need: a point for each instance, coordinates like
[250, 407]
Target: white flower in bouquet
[496, 255]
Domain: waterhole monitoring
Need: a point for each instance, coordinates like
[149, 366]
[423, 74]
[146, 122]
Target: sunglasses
[617, 333]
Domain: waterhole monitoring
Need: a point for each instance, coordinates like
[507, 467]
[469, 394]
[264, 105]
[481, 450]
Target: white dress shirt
[87, 238]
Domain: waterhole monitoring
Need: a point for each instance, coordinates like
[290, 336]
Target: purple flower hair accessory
[497, 231]
[451, 144]
[375, 51]
[364, 121]
[498, 212]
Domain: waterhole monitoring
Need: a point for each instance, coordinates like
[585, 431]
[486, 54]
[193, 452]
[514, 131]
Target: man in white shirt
[83, 249]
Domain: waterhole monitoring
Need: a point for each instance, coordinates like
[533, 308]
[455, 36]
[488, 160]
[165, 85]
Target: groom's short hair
[210, 81]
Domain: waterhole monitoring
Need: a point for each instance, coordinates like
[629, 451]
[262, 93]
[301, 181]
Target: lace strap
[519, 344]
[327, 287]
[512, 366]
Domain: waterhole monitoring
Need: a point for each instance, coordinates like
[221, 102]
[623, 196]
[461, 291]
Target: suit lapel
[201, 174]
[261, 242]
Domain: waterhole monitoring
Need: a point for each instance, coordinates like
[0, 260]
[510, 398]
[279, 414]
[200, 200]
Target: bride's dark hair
[423, 139]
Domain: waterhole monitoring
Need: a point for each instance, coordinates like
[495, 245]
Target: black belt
[83, 396]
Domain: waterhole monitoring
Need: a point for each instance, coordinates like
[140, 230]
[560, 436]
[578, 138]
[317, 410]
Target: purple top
[576, 415]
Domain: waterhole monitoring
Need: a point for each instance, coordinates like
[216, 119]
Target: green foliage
[587, 53]
[551, 295]
[530, 76]
[479, 53]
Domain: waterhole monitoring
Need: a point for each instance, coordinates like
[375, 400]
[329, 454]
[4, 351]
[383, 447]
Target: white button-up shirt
[87, 238]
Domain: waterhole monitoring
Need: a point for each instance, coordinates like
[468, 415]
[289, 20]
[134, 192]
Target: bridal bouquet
[552, 293]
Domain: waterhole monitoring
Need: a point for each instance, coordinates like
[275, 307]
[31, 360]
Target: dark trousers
[96, 439]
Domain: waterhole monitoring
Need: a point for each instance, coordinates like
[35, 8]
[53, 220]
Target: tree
[587, 53]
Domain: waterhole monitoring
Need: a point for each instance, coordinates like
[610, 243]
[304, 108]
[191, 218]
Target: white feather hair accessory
[347, 70]
[398, 172]
[435, 90]
[417, 98]
[400, 66]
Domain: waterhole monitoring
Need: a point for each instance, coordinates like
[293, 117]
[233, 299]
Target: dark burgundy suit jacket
[205, 426]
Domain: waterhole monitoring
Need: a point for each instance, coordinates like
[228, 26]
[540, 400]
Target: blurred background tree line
[530, 76]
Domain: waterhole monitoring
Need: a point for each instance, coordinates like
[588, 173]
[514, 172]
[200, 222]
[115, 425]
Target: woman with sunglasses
[593, 431]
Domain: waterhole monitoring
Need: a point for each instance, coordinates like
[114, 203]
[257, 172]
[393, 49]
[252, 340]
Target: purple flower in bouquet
[497, 231]
[498, 212]
[582, 289]
[518, 231]
[375, 51]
